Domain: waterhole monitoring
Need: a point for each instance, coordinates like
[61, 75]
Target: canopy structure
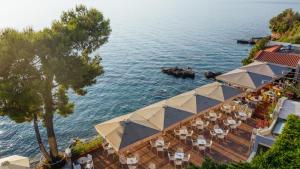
[121, 132]
[192, 102]
[127, 130]
[14, 162]
[162, 115]
[218, 91]
[245, 79]
[268, 69]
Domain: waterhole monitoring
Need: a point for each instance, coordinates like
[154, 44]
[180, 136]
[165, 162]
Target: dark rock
[211, 74]
[179, 72]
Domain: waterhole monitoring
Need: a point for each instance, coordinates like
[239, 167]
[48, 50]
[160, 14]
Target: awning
[162, 115]
[268, 69]
[218, 91]
[245, 79]
[121, 132]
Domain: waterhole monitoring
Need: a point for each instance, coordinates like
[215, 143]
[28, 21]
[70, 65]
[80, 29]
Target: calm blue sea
[146, 35]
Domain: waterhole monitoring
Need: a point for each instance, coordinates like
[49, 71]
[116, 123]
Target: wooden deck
[234, 149]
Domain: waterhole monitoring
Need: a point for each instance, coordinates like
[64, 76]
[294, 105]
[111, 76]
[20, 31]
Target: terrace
[235, 148]
[217, 121]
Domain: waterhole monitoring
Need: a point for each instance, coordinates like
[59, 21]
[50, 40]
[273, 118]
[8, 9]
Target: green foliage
[292, 35]
[18, 77]
[260, 45]
[285, 153]
[37, 68]
[284, 21]
[294, 90]
[85, 147]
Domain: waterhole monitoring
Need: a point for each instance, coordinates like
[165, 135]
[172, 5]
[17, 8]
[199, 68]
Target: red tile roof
[274, 48]
[288, 59]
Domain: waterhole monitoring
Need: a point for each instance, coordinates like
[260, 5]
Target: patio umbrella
[245, 79]
[218, 91]
[192, 102]
[162, 115]
[268, 69]
[14, 162]
[122, 131]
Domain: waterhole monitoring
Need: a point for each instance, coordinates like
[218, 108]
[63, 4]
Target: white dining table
[199, 122]
[218, 131]
[231, 121]
[242, 114]
[131, 160]
[183, 131]
[201, 141]
[159, 142]
[179, 155]
[213, 114]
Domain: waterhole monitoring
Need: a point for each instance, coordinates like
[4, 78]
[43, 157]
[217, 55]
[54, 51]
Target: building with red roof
[273, 55]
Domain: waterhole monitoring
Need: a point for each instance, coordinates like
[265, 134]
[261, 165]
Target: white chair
[225, 122]
[221, 136]
[239, 123]
[151, 166]
[212, 133]
[213, 119]
[90, 163]
[167, 146]
[226, 133]
[219, 116]
[152, 144]
[111, 152]
[201, 148]
[216, 126]
[193, 124]
[206, 116]
[178, 163]
[76, 166]
[132, 166]
[171, 157]
[236, 116]
[186, 158]
[122, 160]
[206, 124]
[159, 150]
[194, 143]
[183, 138]
[209, 144]
[176, 133]
[190, 134]
[105, 147]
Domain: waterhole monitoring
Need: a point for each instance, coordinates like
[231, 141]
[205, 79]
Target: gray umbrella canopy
[218, 91]
[123, 131]
[268, 69]
[162, 115]
[244, 78]
[192, 102]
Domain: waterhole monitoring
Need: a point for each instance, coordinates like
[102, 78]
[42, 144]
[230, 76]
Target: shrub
[85, 147]
[260, 45]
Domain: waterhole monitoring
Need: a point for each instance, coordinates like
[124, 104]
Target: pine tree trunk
[48, 119]
[39, 140]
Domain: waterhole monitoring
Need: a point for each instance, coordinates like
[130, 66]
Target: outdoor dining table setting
[218, 130]
[231, 121]
[201, 141]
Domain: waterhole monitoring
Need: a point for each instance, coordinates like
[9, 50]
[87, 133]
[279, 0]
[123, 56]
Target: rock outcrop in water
[179, 72]
[211, 74]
